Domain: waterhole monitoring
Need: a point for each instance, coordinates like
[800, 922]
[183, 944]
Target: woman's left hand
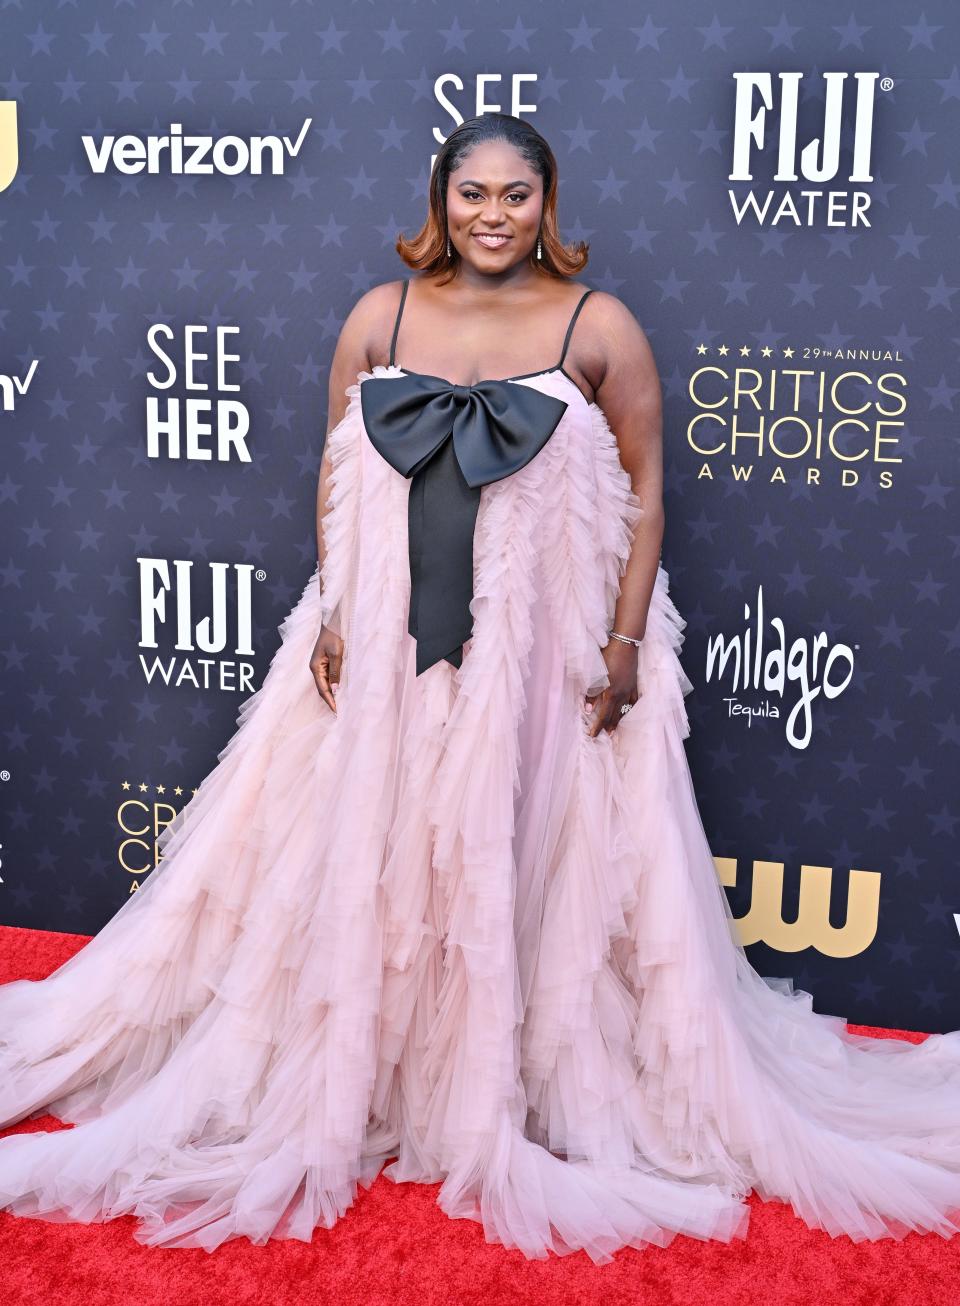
[622, 663]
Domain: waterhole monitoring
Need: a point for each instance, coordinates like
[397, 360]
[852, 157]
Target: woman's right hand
[325, 661]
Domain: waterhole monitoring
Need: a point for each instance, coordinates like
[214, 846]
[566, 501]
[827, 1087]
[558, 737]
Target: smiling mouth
[490, 241]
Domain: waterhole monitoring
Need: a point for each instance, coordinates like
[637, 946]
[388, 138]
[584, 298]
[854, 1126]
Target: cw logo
[764, 921]
[9, 152]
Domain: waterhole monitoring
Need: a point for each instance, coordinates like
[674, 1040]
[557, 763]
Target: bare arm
[630, 397]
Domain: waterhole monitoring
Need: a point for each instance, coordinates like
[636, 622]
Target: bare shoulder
[381, 298]
[618, 331]
[609, 346]
[371, 319]
[628, 386]
[364, 341]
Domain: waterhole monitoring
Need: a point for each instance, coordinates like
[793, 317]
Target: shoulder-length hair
[427, 251]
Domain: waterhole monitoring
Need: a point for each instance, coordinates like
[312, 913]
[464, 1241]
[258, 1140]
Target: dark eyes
[521, 195]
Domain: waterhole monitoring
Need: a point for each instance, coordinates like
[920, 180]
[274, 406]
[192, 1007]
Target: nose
[492, 213]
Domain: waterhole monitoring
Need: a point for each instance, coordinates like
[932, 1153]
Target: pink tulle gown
[448, 932]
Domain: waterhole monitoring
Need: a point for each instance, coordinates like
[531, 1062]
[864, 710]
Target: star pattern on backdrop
[639, 110]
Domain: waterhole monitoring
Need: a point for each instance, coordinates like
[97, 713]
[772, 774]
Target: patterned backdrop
[194, 196]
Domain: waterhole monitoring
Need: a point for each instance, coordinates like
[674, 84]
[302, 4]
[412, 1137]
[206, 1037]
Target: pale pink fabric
[449, 927]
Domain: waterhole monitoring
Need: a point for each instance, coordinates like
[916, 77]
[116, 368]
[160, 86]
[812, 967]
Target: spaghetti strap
[396, 325]
[566, 342]
[576, 314]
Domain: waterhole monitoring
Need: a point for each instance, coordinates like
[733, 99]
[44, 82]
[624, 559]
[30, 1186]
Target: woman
[446, 905]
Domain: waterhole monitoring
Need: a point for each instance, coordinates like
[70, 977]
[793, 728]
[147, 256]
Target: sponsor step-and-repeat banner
[191, 201]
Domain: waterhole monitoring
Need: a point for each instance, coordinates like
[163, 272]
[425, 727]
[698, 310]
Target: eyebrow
[468, 181]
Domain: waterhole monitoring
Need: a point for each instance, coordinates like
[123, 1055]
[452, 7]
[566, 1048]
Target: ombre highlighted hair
[427, 251]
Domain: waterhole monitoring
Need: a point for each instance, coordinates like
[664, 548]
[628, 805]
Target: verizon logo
[191, 155]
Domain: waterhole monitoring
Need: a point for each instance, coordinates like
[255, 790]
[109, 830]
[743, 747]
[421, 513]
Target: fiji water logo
[9, 149]
[766, 113]
[765, 661]
[200, 622]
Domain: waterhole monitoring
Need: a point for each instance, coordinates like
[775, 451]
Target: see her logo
[9, 155]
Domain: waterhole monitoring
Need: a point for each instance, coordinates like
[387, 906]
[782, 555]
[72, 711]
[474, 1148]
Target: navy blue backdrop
[192, 199]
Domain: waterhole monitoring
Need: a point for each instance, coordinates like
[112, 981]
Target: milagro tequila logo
[757, 659]
[201, 651]
[766, 112]
[193, 155]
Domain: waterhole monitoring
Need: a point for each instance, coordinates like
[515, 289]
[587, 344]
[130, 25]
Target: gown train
[446, 932]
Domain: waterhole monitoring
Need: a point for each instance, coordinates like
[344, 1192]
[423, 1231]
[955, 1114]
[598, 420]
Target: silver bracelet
[625, 639]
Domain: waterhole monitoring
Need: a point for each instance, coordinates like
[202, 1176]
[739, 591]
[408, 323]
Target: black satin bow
[451, 440]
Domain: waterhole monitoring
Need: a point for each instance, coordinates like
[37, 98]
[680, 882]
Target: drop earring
[448, 247]
[539, 250]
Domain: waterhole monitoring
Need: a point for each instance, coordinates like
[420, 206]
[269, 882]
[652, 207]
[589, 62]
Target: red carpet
[396, 1246]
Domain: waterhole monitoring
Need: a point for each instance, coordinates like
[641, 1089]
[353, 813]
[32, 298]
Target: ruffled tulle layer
[447, 932]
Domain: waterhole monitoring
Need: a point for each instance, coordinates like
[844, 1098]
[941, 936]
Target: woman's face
[495, 191]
